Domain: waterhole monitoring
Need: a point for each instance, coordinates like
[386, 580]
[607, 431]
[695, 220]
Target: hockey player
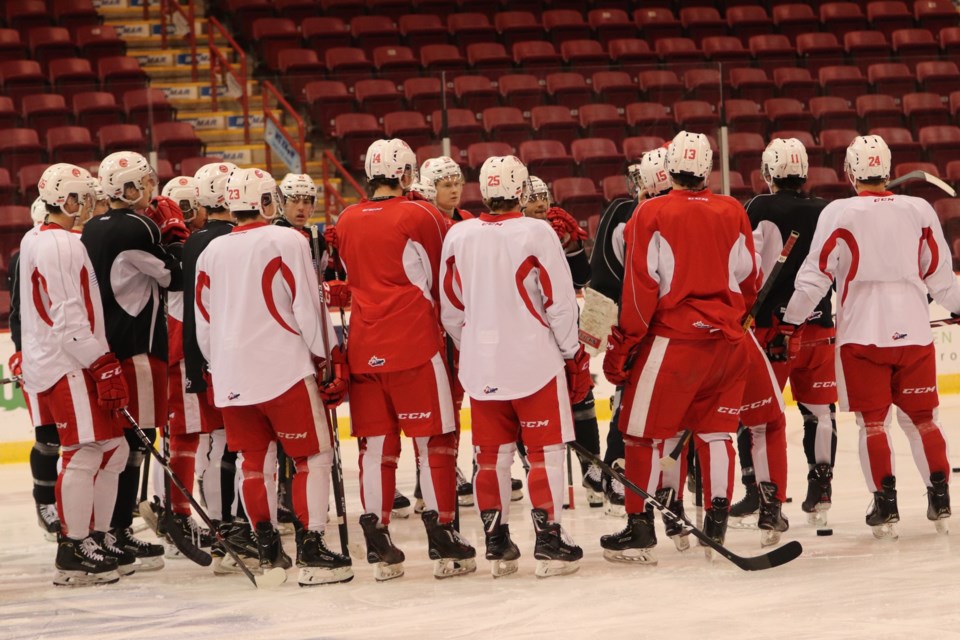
[811, 370]
[885, 253]
[78, 384]
[648, 179]
[510, 306]
[679, 349]
[442, 179]
[390, 247]
[261, 327]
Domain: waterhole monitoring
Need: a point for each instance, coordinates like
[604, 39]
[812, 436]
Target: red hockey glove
[330, 236]
[112, 391]
[15, 364]
[565, 226]
[333, 392]
[617, 360]
[785, 345]
[336, 293]
[168, 216]
[579, 381]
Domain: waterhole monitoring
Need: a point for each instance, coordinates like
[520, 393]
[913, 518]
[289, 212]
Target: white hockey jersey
[509, 304]
[61, 312]
[258, 314]
[885, 252]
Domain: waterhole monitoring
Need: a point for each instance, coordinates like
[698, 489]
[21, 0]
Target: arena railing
[276, 133]
[188, 13]
[334, 201]
[235, 72]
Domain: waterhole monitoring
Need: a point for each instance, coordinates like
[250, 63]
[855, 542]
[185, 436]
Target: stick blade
[271, 578]
[774, 558]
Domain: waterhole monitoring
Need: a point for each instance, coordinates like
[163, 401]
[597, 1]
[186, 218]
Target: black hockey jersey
[606, 263]
[194, 362]
[328, 272]
[133, 270]
[773, 216]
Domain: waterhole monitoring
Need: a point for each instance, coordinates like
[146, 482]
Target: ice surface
[845, 586]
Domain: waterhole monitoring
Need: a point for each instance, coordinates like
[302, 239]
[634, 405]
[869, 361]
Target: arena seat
[793, 19]
[597, 158]
[94, 109]
[843, 81]
[562, 25]
[377, 97]
[589, 53]
[772, 51]
[892, 78]
[924, 110]
[470, 28]
[635, 146]
[832, 112]
[517, 26]
[752, 84]
[354, 133]
[746, 21]
[547, 159]
[121, 137]
[839, 17]
[795, 82]
[696, 116]
[146, 107]
[865, 48]
[702, 22]
[322, 33]
[71, 144]
[374, 31]
[656, 23]
[423, 29]
[20, 147]
[817, 50]
[506, 124]
[602, 121]
[888, 16]
[326, 99]
[44, 110]
[554, 122]
[903, 146]
[611, 24]
[650, 119]
[521, 90]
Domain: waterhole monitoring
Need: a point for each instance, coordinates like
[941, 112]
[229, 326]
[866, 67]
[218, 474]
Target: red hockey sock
[438, 474]
[253, 486]
[491, 485]
[545, 479]
[641, 467]
[875, 445]
[183, 460]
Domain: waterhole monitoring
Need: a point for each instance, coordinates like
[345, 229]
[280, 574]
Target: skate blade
[383, 571]
[139, 527]
[614, 510]
[315, 576]
[516, 496]
[83, 579]
[886, 532]
[748, 521]
[403, 513]
[152, 563]
[681, 542]
[501, 568]
[465, 500]
[287, 528]
[594, 498]
[449, 567]
[419, 506]
[769, 538]
[171, 552]
[271, 578]
[631, 556]
[550, 568]
[942, 525]
[149, 516]
[127, 569]
[50, 536]
[817, 518]
[227, 566]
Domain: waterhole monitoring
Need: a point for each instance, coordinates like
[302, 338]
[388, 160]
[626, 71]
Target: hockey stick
[336, 470]
[923, 175]
[571, 505]
[271, 578]
[11, 380]
[668, 461]
[190, 548]
[944, 322]
[774, 558]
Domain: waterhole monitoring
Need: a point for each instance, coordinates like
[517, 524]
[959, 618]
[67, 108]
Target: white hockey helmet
[298, 185]
[868, 158]
[212, 183]
[539, 189]
[38, 211]
[652, 172]
[425, 190]
[784, 158]
[433, 170]
[690, 153]
[122, 168]
[504, 177]
[252, 190]
[98, 193]
[183, 190]
[60, 181]
[390, 159]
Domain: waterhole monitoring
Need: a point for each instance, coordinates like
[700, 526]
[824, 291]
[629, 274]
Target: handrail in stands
[188, 12]
[299, 143]
[333, 200]
[220, 62]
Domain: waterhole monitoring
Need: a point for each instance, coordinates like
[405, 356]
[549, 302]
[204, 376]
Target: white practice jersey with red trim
[690, 270]
[390, 248]
[885, 253]
[258, 313]
[508, 303]
[61, 312]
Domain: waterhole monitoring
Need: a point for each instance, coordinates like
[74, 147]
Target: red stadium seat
[938, 76]
[121, 137]
[344, 9]
[243, 13]
[787, 113]
[702, 22]
[793, 19]
[521, 90]
[470, 28]
[615, 87]
[772, 51]
[377, 97]
[747, 21]
[696, 116]
[815, 152]
[273, 35]
[679, 54]
[146, 107]
[18, 148]
[879, 110]
[11, 48]
[462, 127]
[925, 110]
[536, 55]
[650, 119]
[751, 84]
[326, 99]
[75, 14]
[611, 24]
[24, 15]
[935, 15]
[471, 199]
[7, 188]
[584, 52]
[940, 143]
[324, 33]
[517, 26]
[656, 23]
[296, 10]
[190, 166]
[506, 124]
[435, 150]
[794, 82]
[100, 41]
[347, 64]
[704, 84]
[728, 51]
[661, 86]
[422, 94]
[579, 196]
[636, 146]
[745, 151]
[866, 48]
[562, 25]
[390, 8]
[554, 122]
[176, 141]
[954, 104]
[843, 81]
[602, 121]
[475, 92]
[70, 76]
[818, 50]
[840, 17]
[489, 58]
[833, 112]
[902, 145]
[50, 43]
[888, 16]
[9, 117]
[919, 188]
[547, 159]
[28, 178]
[119, 75]
[374, 31]
[299, 67]
[949, 208]
[745, 116]
[44, 110]
[20, 78]
[409, 126]
[823, 182]
[891, 78]
[478, 153]
[421, 29]
[914, 45]
[835, 143]
[442, 57]
[615, 187]
[738, 189]
[94, 109]
[568, 89]
[71, 144]
[355, 132]
[950, 43]
[631, 52]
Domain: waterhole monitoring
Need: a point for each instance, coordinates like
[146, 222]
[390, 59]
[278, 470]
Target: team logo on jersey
[488, 390]
[700, 324]
[899, 336]
[233, 396]
[374, 361]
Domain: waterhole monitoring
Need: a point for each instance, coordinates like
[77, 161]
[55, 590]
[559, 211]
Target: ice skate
[502, 552]
[715, 523]
[49, 520]
[386, 558]
[593, 483]
[184, 538]
[452, 555]
[464, 490]
[516, 489]
[771, 521]
[819, 494]
[152, 511]
[743, 514]
[674, 526]
[401, 506]
[635, 543]
[556, 554]
[938, 502]
[81, 563]
[883, 514]
[317, 563]
[126, 561]
[613, 501]
[270, 549]
[239, 535]
[150, 555]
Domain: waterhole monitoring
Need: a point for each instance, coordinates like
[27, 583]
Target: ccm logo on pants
[918, 390]
[753, 405]
[534, 424]
[414, 416]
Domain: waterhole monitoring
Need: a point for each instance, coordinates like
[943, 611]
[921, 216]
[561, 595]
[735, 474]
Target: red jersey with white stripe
[508, 304]
[258, 314]
[175, 327]
[885, 253]
[690, 268]
[61, 312]
[391, 251]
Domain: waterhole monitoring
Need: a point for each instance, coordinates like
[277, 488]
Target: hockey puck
[824, 532]
[956, 469]
[789, 499]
